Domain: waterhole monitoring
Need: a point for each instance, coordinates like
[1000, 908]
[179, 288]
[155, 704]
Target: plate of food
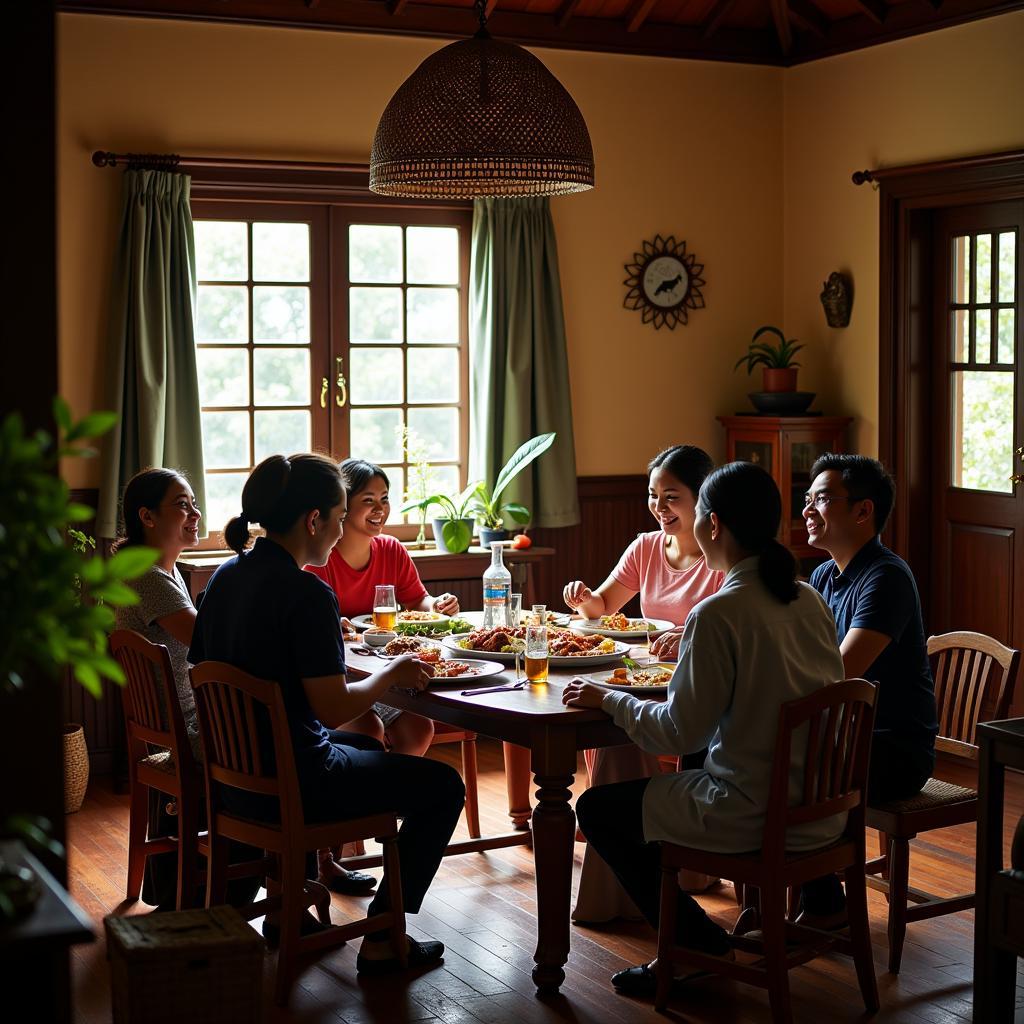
[647, 681]
[476, 619]
[566, 649]
[429, 652]
[621, 627]
[402, 618]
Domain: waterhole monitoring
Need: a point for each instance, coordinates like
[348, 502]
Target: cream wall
[684, 148]
[952, 93]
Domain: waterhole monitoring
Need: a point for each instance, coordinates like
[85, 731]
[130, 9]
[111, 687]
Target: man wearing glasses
[874, 599]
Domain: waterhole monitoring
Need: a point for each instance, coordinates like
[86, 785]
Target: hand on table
[578, 694]
[576, 593]
[446, 604]
[348, 630]
[409, 673]
[666, 646]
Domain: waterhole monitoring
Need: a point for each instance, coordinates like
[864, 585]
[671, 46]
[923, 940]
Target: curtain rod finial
[102, 158]
[859, 177]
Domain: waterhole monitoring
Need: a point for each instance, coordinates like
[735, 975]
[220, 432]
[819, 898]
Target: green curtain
[151, 356]
[519, 368]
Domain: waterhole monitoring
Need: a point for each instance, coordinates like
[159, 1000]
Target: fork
[494, 689]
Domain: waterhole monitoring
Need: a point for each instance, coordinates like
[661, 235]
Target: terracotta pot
[774, 380]
[76, 767]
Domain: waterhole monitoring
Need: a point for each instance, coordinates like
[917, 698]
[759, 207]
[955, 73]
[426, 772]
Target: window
[339, 328]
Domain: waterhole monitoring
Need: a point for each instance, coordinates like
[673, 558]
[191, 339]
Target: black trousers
[898, 771]
[611, 817]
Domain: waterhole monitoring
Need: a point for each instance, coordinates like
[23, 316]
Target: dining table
[532, 720]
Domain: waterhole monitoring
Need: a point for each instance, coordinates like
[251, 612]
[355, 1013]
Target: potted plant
[489, 511]
[779, 367]
[453, 529]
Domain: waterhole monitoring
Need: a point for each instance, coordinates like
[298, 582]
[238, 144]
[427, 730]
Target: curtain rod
[880, 173]
[174, 162]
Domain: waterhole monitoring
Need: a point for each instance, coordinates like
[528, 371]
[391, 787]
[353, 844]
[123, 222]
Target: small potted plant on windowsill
[778, 374]
[453, 529]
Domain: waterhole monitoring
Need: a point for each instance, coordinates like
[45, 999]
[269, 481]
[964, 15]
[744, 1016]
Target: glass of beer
[385, 607]
[537, 654]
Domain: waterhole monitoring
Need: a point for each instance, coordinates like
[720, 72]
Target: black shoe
[421, 954]
[351, 883]
[636, 981]
[309, 925]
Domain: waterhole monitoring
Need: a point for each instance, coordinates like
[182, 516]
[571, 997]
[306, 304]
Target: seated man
[877, 609]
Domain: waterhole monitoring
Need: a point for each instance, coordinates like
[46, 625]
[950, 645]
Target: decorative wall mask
[664, 282]
[837, 298]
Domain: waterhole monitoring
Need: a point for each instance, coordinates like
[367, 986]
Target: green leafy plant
[455, 512]
[55, 603]
[421, 474]
[772, 357]
[486, 507]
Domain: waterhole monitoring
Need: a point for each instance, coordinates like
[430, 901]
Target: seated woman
[668, 570]
[763, 639]
[363, 559]
[266, 616]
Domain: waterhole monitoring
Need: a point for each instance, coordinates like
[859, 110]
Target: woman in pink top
[666, 568]
[363, 558]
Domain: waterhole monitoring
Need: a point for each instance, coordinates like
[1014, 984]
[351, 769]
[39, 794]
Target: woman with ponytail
[265, 615]
[763, 639]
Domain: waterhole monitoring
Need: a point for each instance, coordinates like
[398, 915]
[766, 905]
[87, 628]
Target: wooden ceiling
[780, 32]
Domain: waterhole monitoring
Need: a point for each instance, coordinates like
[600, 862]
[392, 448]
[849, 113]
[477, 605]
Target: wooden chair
[153, 718]
[837, 720]
[232, 707]
[972, 671]
[452, 734]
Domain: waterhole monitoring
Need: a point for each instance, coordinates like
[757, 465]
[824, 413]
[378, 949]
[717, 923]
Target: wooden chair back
[838, 719]
[972, 672]
[234, 710]
[152, 714]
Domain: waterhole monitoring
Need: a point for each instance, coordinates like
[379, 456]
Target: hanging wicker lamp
[481, 118]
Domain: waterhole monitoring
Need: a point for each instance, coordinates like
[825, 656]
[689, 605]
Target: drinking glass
[540, 615]
[385, 607]
[537, 654]
[513, 610]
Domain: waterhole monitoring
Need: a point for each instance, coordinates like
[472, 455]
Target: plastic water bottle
[497, 587]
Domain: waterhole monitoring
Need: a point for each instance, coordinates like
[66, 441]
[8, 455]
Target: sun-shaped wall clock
[664, 282]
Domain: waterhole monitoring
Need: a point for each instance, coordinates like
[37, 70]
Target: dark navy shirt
[264, 615]
[877, 591]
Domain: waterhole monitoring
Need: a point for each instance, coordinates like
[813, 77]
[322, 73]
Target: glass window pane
[396, 477]
[433, 315]
[376, 434]
[222, 250]
[440, 430]
[983, 270]
[376, 376]
[375, 314]
[1006, 330]
[433, 375]
[223, 499]
[375, 253]
[982, 436]
[962, 269]
[280, 252]
[961, 320]
[280, 376]
[281, 433]
[446, 481]
[1007, 265]
[222, 314]
[983, 335]
[223, 376]
[280, 314]
[433, 255]
[226, 440]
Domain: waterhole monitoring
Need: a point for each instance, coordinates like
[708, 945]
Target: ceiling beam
[637, 14]
[717, 16]
[566, 11]
[876, 10]
[780, 15]
[809, 17]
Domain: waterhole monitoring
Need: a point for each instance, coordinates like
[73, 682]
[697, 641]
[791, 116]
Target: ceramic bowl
[378, 638]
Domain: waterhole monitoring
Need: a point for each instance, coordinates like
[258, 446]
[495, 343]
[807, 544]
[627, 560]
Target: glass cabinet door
[757, 452]
[802, 455]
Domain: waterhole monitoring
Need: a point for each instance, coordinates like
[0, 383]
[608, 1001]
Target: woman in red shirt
[364, 558]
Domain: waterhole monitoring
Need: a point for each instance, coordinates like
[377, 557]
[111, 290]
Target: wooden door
[977, 497]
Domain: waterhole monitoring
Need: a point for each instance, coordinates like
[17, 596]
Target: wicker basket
[197, 966]
[76, 767]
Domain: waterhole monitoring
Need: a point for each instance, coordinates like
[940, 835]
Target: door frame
[909, 195]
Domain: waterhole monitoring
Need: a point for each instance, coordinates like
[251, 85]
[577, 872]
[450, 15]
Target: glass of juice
[385, 607]
[537, 654]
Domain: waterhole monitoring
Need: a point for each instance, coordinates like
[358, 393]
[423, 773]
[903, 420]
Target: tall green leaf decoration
[524, 455]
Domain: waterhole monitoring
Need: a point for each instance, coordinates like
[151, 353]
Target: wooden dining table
[535, 720]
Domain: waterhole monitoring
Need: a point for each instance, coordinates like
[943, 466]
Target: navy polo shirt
[266, 616]
[877, 591]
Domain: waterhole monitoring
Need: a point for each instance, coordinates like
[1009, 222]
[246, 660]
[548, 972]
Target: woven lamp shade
[481, 118]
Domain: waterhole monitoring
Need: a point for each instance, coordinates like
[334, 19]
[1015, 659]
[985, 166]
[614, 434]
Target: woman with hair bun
[265, 615]
[763, 639]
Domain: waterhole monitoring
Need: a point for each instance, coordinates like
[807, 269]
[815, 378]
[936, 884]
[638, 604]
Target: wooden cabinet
[786, 446]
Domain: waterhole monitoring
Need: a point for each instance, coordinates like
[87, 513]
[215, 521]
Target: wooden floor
[482, 907]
